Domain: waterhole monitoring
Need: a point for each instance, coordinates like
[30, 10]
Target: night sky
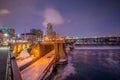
[82, 18]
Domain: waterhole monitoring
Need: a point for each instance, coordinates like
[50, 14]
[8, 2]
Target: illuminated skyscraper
[49, 30]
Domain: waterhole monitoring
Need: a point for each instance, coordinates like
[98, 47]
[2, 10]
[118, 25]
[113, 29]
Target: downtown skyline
[82, 18]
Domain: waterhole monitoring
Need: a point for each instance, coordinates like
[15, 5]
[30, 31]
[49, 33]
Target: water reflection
[85, 56]
[110, 54]
[91, 65]
[65, 70]
[99, 57]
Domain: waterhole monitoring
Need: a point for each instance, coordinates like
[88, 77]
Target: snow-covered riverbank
[96, 47]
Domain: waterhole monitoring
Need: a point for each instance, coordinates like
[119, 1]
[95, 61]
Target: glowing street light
[6, 35]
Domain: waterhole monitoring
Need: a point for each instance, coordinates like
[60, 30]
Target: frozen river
[91, 65]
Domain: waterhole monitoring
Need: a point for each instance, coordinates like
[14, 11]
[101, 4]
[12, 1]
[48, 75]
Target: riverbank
[97, 47]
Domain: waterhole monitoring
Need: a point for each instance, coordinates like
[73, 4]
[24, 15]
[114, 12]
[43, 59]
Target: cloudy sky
[82, 18]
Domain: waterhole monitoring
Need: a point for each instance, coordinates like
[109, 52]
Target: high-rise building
[54, 34]
[37, 32]
[11, 32]
[28, 36]
[3, 29]
[49, 30]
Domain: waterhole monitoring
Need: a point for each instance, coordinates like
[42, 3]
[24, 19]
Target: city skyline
[80, 18]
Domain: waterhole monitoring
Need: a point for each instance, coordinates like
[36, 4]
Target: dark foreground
[3, 62]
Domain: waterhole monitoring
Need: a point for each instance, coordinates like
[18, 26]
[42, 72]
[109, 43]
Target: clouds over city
[53, 16]
[77, 18]
[4, 11]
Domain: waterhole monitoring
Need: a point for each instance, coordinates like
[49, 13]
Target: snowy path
[35, 70]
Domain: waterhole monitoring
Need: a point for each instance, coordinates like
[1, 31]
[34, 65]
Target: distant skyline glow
[82, 18]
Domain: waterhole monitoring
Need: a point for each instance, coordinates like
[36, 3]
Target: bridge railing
[8, 68]
[12, 71]
[47, 70]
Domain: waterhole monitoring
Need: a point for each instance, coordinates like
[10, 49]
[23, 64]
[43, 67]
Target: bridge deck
[3, 62]
[35, 70]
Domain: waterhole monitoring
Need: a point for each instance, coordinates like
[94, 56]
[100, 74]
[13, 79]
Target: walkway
[35, 71]
[3, 62]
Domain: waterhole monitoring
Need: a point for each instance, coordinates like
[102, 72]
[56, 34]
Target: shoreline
[97, 47]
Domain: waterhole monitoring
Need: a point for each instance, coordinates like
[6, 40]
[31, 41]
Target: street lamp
[5, 35]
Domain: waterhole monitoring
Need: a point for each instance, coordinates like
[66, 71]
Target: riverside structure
[39, 64]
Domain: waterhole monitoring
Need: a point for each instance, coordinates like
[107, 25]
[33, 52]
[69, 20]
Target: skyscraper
[11, 32]
[49, 30]
[37, 32]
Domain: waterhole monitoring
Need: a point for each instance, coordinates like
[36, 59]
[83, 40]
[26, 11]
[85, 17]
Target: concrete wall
[18, 47]
[60, 50]
[40, 49]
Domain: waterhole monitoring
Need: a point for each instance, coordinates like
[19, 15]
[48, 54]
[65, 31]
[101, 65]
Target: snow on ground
[35, 71]
[97, 47]
[24, 58]
[21, 62]
[24, 53]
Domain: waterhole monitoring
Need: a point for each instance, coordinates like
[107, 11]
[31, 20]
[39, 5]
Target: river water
[90, 65]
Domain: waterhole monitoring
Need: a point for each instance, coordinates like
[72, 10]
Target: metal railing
[8, 68]
[47, 72]
[12, 70]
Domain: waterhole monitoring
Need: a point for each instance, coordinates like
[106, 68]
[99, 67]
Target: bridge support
[61, 54]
